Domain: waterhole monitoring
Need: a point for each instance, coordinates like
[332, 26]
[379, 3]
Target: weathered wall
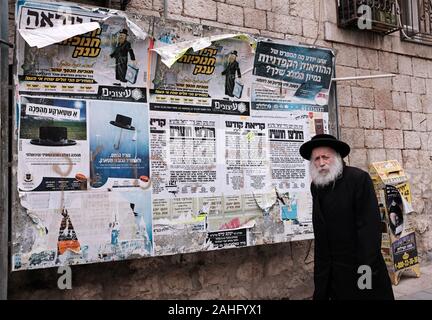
[381, 119]
[264, 272]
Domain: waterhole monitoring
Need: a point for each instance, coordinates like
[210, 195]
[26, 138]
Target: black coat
[347, 229]
[120, 54]
[230, 72]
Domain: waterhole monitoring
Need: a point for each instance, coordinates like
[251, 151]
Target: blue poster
[312, 68]
[119, 145]
[294, 74]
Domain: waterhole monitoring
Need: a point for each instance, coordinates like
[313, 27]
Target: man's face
[232, 57]
[122, 38]
[323, 158]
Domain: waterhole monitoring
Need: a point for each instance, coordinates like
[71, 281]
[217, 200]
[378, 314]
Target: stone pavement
[412, 288]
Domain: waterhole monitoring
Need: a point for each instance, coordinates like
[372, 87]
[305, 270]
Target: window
[416, 17]
[382, 18]
[412, 17]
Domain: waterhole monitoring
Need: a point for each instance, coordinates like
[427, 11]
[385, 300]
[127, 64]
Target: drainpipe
[4, 145]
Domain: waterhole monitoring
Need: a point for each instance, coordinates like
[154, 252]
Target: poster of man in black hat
[230, 73]
[121, 51]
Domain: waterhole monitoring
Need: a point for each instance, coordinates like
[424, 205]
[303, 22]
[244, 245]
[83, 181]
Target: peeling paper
[267, 203]
[407, 207]
[43, 37]
[38, 222]
[236, 224]
[136, 30]
[171, 53]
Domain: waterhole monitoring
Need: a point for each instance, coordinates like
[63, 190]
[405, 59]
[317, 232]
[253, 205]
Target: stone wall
[278, 271]
[387, 118]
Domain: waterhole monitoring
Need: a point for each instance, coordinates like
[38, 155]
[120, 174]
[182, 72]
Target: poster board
[153, 146]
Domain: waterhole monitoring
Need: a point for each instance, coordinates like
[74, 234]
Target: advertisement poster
[119, 145]
[213, 80]
[405, 252]
[226, 239]
[246, 158]
[183, 153]
[396, 210]
[108, 63]
[288, 168]
[291, 77]
[53, 145]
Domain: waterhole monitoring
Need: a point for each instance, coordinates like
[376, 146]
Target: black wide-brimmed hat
[125, 31]
[123, 122]
[53, 137]
[234, 52]
[324, 140]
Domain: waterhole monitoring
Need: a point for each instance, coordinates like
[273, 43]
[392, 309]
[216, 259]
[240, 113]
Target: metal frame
[384, 18]
[416, 18]
[333, 108]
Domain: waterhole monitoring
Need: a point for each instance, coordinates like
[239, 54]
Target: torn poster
[96, 56]
[215, 79]
[172, 53]
[86, 228]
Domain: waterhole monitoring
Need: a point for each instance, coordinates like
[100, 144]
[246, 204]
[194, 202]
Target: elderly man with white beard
[347, 226]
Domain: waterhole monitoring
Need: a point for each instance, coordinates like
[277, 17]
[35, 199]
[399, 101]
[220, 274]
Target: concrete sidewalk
[412, 288]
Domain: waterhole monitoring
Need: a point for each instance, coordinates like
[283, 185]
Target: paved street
[412, 288]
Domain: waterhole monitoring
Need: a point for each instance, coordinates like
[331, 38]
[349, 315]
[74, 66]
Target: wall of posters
[133, 145]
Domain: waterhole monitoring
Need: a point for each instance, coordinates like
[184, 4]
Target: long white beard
[321, 179]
